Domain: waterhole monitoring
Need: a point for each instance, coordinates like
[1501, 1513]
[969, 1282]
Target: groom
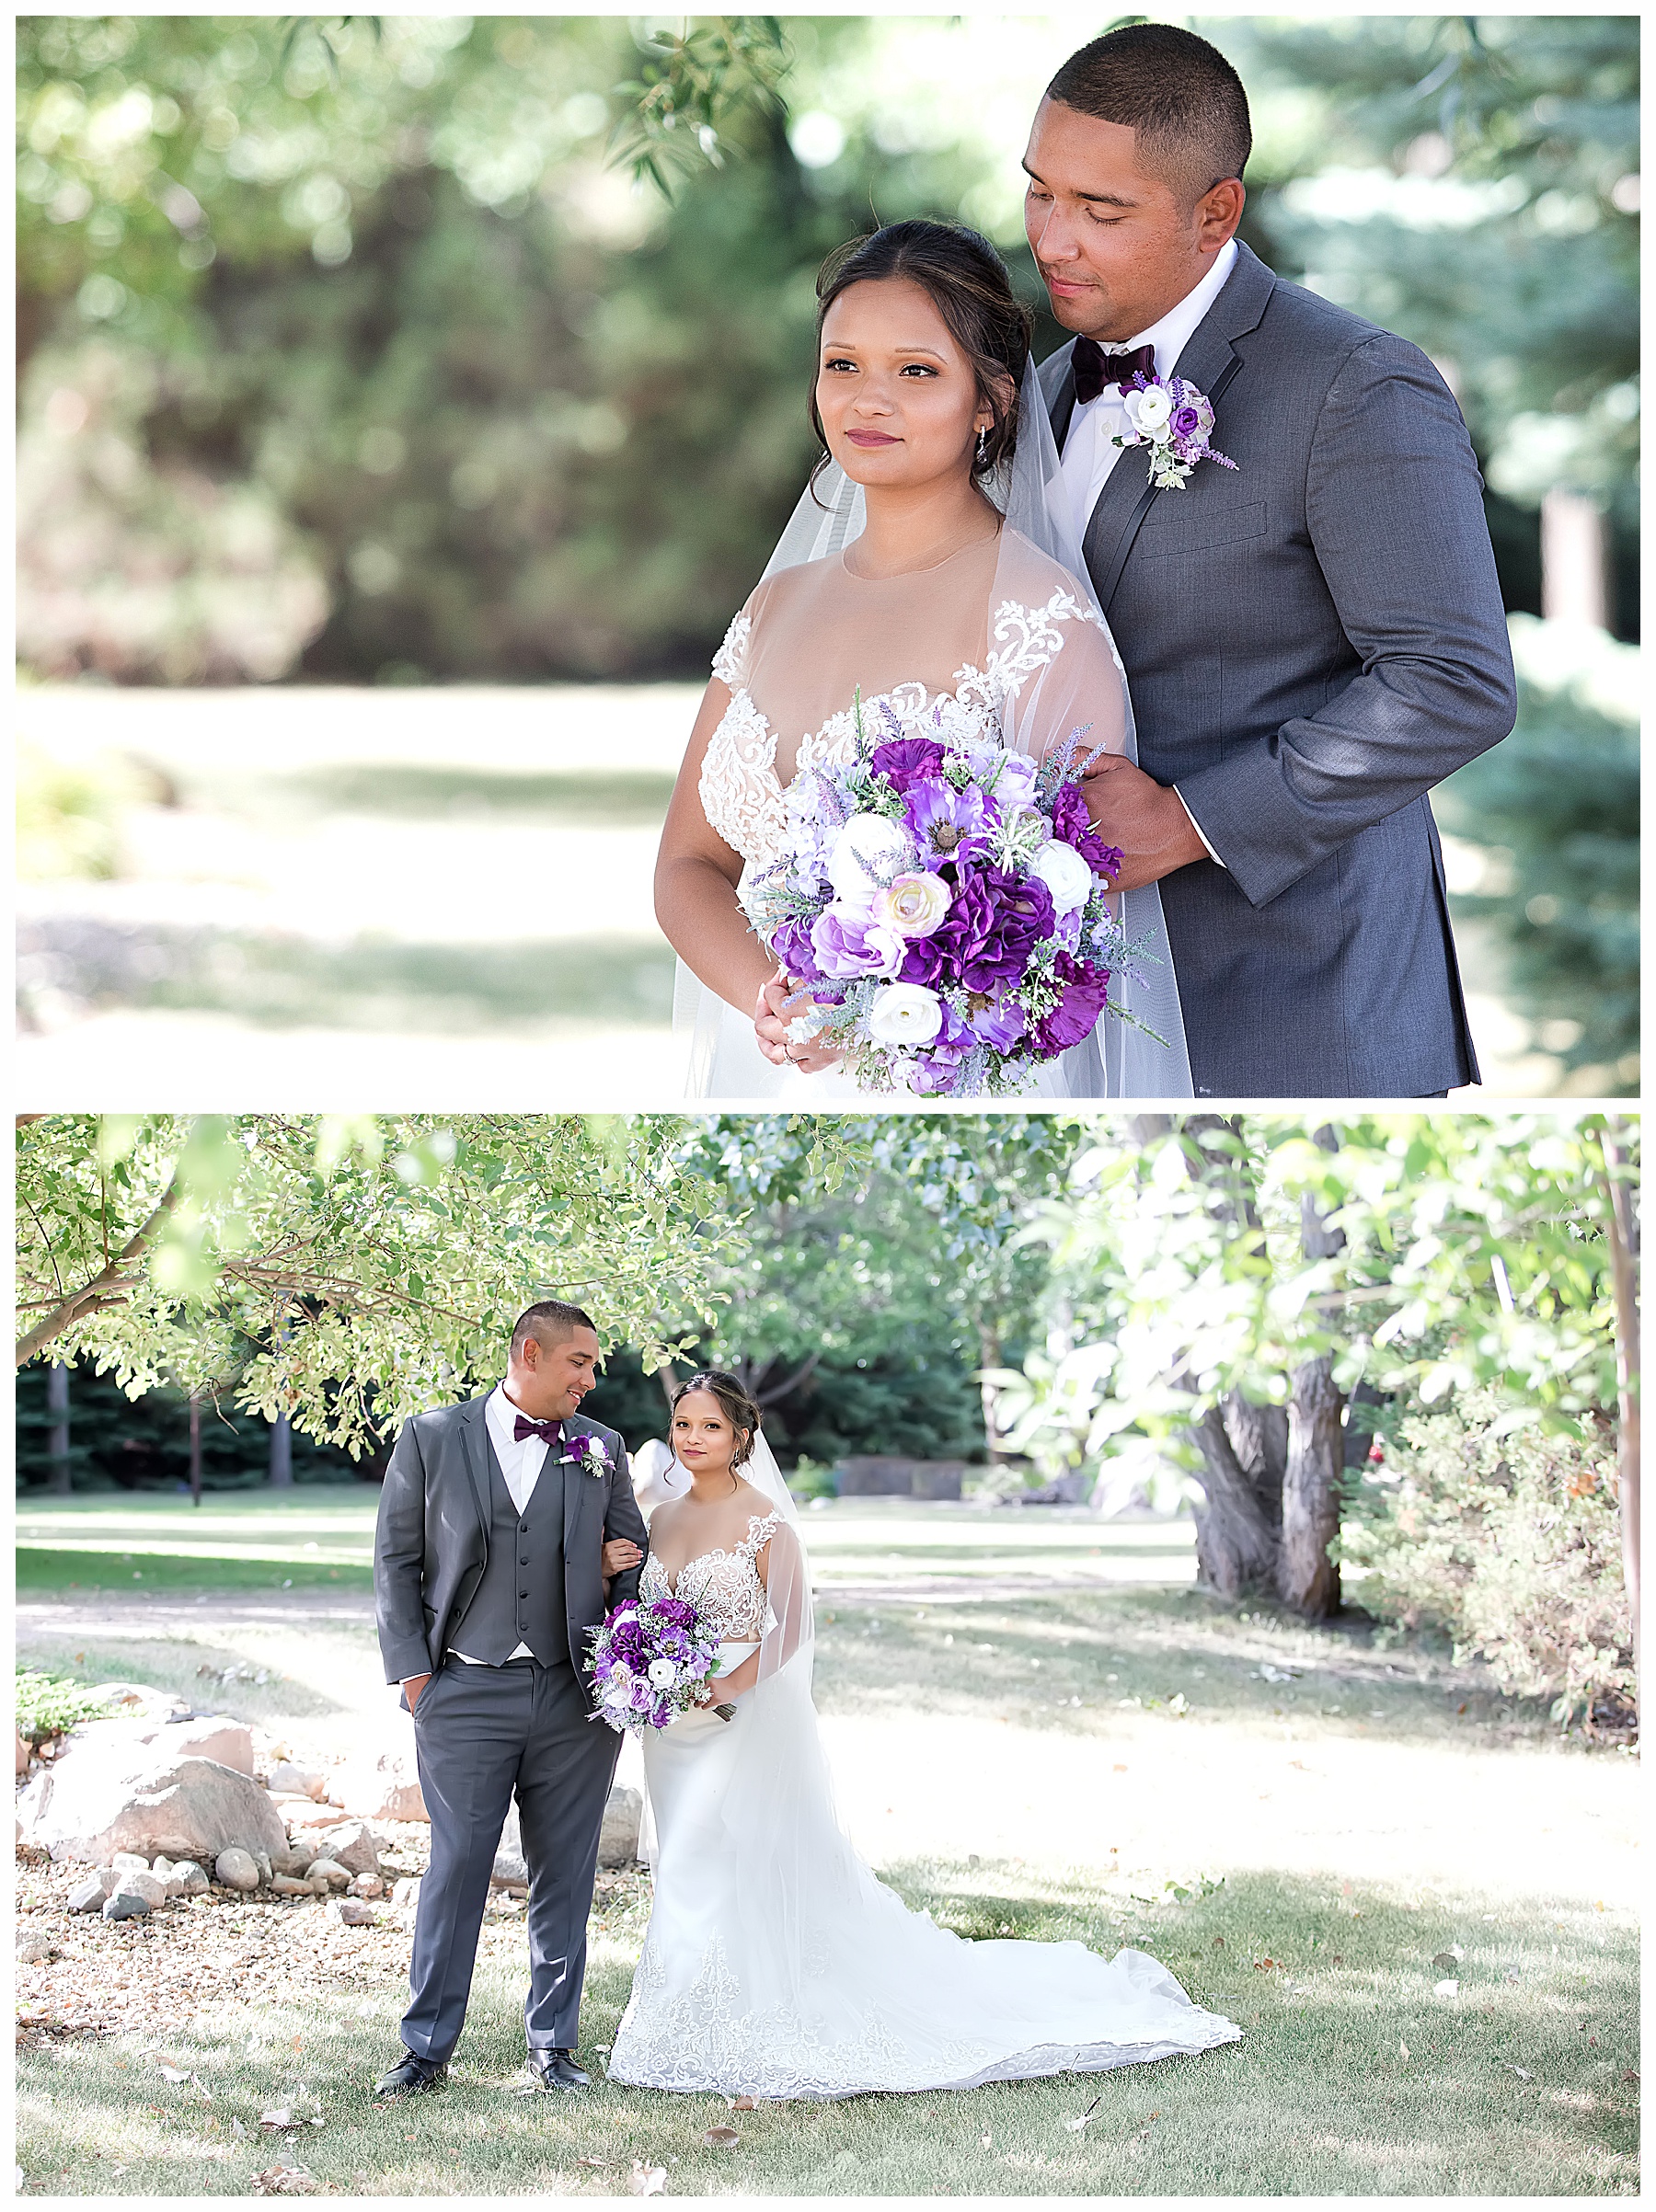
[1312, 640]
[499, 1522]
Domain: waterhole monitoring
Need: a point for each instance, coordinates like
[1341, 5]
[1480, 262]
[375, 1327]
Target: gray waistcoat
[521, 1597]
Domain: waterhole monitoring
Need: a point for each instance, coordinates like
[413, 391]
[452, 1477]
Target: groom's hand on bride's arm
[619, 1555]
[1146, 820]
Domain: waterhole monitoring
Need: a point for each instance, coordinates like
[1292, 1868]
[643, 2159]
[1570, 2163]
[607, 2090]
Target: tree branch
[106, 1288]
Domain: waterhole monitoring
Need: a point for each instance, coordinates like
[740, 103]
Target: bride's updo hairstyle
[967, 283]
[735, 1403]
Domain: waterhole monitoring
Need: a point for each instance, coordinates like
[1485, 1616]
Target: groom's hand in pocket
[412, 1688]
[1146, 819]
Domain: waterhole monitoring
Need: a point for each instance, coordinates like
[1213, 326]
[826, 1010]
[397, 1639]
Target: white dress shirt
[1088, 455]
[519, 1466]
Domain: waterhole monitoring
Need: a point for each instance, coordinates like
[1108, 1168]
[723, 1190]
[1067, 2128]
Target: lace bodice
[742, 794]
[724, 1587]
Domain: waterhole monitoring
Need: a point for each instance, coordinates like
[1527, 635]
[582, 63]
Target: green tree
[1223, 1275]
[348, 1271]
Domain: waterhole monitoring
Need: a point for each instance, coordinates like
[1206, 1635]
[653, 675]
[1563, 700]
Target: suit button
[524, 1562]
[523, 1527]
[523, 1593]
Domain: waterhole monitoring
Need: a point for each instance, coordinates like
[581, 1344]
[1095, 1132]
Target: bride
[775, 1964]
[931, 561]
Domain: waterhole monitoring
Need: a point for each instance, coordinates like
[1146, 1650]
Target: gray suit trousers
[484, 1734]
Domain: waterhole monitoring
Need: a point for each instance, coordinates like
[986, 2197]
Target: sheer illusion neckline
[755, 1520]
[898, 576]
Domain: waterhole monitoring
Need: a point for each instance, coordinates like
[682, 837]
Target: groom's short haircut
[1179, 95]
[551, 1321]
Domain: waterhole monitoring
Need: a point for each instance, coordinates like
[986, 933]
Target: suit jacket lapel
[1208, 361]
[474, 1451]
[574, 1475]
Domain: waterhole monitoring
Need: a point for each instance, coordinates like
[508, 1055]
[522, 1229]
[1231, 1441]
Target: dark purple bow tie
[1095, 368]
[523, 1427]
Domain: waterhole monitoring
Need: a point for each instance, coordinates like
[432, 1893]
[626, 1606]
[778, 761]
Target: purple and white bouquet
[1176, 422]
[648, 1662]
[946, 903]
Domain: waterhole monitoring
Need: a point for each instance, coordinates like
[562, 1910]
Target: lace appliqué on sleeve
[740, 794]
[729, 663]
[1029, 639]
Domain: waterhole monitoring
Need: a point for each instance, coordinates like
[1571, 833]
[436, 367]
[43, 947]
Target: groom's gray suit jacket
[1312, 641]
[432, 1542]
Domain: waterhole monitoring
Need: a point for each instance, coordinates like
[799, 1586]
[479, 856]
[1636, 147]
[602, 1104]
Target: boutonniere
[590, 1451]
[1176, 422]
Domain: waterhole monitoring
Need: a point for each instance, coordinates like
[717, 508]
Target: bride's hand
[781, 1002]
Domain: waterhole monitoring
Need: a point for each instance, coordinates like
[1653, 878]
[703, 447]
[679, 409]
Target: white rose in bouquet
[663, 1673]
[1065, 875]
[913, 905]
[868, 848]
[906, 1014]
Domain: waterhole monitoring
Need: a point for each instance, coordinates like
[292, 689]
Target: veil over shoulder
[1009, 637]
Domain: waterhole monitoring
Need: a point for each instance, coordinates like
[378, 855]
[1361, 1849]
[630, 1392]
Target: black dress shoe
[410, 2076]
[558, 2069]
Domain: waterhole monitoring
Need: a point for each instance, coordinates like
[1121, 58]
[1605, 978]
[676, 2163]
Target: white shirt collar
[1178, 326]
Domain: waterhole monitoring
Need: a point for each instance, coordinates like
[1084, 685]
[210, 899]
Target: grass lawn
[1043, 1761]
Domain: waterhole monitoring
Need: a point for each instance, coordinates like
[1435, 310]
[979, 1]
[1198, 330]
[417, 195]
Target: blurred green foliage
[352, 349]
[1556, 809]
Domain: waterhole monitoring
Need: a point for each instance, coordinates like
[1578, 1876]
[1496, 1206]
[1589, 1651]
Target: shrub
[50, 1705]
[1507, 1541]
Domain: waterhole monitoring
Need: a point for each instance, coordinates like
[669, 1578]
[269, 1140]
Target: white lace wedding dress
[776, 1965]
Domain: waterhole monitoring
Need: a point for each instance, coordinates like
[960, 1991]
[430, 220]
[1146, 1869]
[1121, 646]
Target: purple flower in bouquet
[847, 941]
[990, 930]
[903, 761]
[948, 822]
[1071, 824]
[1001, 1022]
[1076, 1013]
[938, 1068]
[791, 944]
[677, 1611]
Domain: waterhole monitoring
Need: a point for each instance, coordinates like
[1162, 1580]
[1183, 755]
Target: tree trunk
[57, 1435]
[195, 1448]
[990, 1356]
[1235, 1542]
[1623, 1271]
[1307, 1579]
[281, 1453]
[1258, 1436]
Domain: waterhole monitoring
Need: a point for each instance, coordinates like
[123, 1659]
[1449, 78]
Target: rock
[294, 1859]
[266, 1870]
[405, 1892]
[88, 1896]
[33, 1950]
[301, 1782]
[329, 1871]
[623, 1816]
[22, 1753]
[386, 1788]
[353, 1912]
[130, 1862]
[187, 1879]
[184, 1808]
[367, 1885]
[237, 1869]
[290, 1886]
[162, 1869]
[306, 1813]
[128, 1741]
[127, 1900]
[354, 1846]
[138, 1697]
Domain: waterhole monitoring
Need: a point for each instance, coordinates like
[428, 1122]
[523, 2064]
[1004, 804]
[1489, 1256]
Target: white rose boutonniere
[1176, 422]
[591, 1452]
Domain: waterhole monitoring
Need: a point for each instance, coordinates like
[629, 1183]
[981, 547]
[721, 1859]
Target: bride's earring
[983, 448]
